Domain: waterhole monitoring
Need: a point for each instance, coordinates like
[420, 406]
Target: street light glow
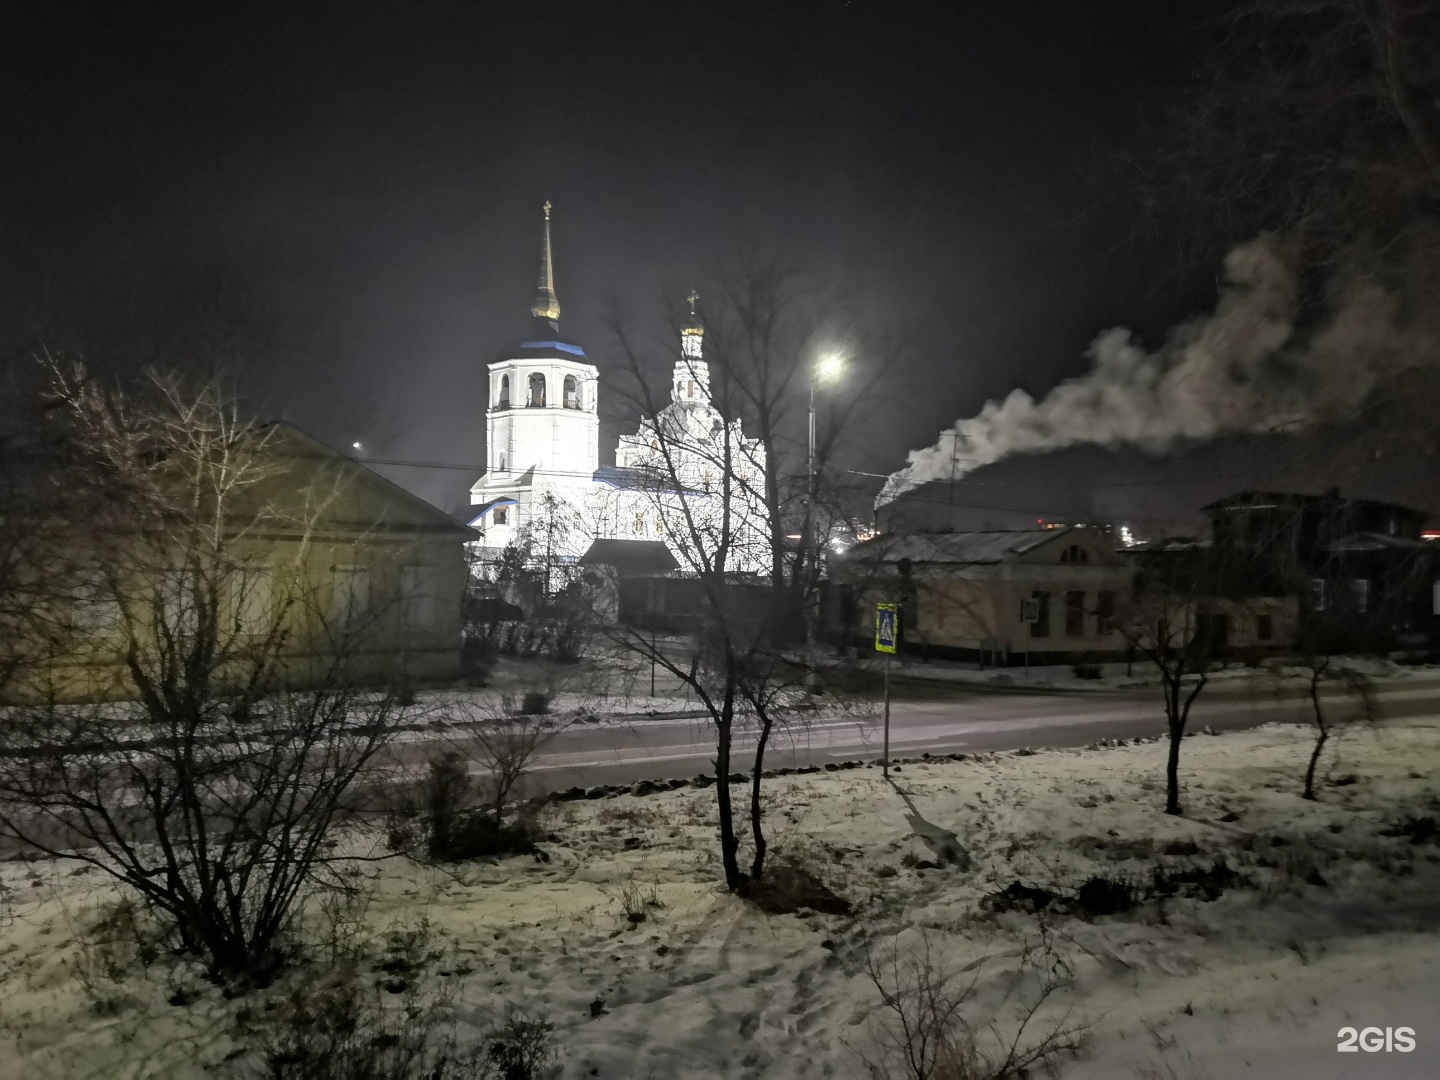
[830, 367]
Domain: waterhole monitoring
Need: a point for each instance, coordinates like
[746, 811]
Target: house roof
[957, 547]
[1263, 499]
[1373, 541]
[423, 515]
[630, 556]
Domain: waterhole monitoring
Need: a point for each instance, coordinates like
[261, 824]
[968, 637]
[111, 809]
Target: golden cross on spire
[547, 209]
[694, 296]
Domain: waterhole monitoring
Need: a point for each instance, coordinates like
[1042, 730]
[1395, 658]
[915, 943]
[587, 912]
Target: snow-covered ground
[1330, 923]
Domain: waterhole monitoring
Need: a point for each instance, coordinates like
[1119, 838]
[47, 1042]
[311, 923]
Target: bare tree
[1314, 118]
[1331, 649]
[1171, 619]
[209, 728]
[721, 481]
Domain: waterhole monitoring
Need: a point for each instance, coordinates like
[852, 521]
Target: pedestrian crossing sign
[886, 616]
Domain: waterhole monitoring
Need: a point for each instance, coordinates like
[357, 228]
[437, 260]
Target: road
[938, 720]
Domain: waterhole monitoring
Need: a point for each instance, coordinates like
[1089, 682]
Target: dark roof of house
[958, 547]
[1243, 499]
[630, 556]
[1373, 541]
[435, 519]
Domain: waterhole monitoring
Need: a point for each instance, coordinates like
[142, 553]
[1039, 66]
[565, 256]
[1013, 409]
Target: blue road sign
[886, 624]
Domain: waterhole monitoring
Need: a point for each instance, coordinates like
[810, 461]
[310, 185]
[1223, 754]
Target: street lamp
[828, 369]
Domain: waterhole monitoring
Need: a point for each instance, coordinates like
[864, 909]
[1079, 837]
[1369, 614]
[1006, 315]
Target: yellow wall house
[269, 560]
[994, 596]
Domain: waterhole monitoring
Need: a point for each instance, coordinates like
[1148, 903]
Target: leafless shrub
[212, 792]
[937, 1028]
[504, 748]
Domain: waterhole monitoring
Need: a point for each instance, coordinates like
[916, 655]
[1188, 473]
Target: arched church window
[572, 392]
[537, 391]
[504, 392]
[1074, 554]
[502, 462]
[639, 524]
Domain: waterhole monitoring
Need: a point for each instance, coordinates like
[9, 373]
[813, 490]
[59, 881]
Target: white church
[542, 441]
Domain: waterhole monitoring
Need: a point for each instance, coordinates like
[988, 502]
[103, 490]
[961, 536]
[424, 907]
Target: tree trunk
[1172, 771]
[1176, 724]
[1320, 739]
[757, 831]
[729, 844]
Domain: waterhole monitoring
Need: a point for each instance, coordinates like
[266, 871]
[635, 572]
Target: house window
[504, 391]
[178, 600]
[1074, 554]
[250, 599]
[537, 391]
[1264, 626]
[95, 612]
[1318, 595]
[1105, 613]
[1041, 626]
[572, 393]
[349, 596]
[1435, 597]
[1074, 614]
[502, 515]
[1360, 594]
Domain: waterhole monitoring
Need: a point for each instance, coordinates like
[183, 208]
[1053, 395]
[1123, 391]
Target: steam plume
[1247, 367]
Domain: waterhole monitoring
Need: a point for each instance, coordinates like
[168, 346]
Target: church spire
[692, 334]
[546, 306]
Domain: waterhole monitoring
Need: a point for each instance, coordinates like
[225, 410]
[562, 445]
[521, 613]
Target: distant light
[357, 446]
[830, 367]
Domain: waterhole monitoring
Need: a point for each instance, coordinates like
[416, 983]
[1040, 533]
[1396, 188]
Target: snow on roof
[959, 547]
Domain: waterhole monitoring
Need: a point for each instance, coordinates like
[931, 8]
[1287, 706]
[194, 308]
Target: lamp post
[827, 370]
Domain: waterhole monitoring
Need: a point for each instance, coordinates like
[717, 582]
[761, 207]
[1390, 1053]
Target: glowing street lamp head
[829, 367]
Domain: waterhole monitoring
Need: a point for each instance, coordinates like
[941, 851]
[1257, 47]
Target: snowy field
[1316, 920]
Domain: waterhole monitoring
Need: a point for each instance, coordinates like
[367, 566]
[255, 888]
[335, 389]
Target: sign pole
[885, 759]
[887, 639]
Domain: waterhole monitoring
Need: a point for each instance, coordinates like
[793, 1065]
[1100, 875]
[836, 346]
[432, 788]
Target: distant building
[998, 597]
[1336, 560]
[323, 567]
[543, 454]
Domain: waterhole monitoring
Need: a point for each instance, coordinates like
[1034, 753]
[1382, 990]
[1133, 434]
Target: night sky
[340, 204]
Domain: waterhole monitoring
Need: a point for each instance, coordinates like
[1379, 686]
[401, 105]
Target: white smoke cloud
[1245, 368]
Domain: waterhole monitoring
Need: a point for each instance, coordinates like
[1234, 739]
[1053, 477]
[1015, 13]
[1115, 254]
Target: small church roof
[631, 556]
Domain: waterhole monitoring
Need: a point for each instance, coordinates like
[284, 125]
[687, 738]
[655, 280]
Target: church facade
[685, 477]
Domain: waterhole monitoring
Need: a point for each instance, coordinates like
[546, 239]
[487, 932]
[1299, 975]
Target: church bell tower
[542, 429]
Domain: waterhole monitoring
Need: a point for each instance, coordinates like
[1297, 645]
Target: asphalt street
[935, 721]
